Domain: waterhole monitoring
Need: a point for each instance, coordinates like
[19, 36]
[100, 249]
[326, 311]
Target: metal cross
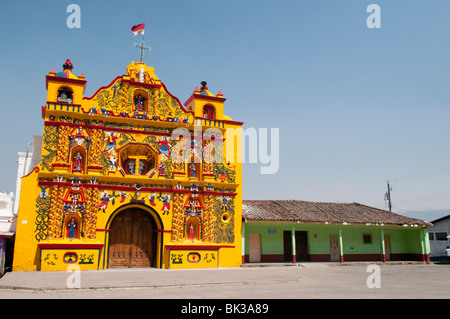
[142, 47]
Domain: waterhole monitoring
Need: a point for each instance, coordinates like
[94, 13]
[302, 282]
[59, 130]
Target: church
[131, 177]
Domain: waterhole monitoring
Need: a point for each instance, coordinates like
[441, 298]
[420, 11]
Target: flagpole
[142, 51]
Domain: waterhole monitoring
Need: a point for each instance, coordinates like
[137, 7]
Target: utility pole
[387, 196]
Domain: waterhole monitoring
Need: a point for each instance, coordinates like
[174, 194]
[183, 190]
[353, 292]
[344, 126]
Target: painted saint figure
[191, 231]
[71, 228]
[77, 162]
[192, 170]
[139, 103]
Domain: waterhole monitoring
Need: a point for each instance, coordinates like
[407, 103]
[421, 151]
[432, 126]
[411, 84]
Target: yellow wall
[55, 191]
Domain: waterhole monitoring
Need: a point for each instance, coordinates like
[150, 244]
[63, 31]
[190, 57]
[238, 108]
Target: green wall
[403, 240]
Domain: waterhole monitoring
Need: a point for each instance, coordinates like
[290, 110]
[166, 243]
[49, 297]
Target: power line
[396, 179]
[420, 174]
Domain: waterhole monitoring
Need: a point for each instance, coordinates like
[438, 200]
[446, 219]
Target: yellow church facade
[131, 177]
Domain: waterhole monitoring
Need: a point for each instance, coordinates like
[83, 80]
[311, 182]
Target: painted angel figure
[123, 196]
[164, 147]
[105, 198]
[225, 200]
[112, 162]
[111, 139]
[152, 199]
[166, 204]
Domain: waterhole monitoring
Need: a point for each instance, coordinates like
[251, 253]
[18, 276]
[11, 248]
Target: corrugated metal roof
[305, 211]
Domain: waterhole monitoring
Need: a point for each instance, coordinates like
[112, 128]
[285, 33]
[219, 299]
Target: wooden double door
[132, 241]
[301, 245]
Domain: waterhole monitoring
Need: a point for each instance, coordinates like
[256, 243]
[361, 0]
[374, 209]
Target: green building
[297, 231]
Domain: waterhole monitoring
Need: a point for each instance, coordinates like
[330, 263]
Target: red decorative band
[144, 85]
[198, 247]
[71, 246]
[35, 169]
[132, 189]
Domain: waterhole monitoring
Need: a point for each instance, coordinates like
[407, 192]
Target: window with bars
[209, 112]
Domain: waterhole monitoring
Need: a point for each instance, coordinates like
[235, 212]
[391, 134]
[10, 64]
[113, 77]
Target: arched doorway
[132, 242]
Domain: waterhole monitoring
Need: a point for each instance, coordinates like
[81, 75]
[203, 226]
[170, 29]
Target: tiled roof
[304, 211]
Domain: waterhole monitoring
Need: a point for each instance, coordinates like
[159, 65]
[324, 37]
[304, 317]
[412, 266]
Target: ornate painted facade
[130, 177]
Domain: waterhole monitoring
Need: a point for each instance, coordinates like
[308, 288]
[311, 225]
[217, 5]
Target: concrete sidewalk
[139, 277]
[262, 273]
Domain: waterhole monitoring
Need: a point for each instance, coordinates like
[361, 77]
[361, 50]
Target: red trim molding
[63, 80]
[69, 245]
[198, 247]
[140, 84]
[162, 231]
[204, 97]
[36, 169]
[132, 189]
[60, 165]
[102, 88]
[100, 127]
[101, 229]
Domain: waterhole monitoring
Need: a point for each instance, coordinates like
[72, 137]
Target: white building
[9, 204]
[26, 161]
[6, 213]
[439, 235]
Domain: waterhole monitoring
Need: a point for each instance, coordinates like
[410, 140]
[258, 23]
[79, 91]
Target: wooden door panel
[301, 245]
[387, 248]
[131, 240]
[254, 247]
[334, 248]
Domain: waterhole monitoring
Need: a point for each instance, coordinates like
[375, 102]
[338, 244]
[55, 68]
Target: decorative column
[383, 248]
[294, 257]
[427, 245]
[243, 243]
[341, 247]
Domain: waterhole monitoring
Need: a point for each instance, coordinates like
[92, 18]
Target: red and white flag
[138, 29]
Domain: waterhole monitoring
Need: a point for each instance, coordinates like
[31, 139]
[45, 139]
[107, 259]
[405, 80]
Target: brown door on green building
[132, 240]
[335, 254]
[301, 245]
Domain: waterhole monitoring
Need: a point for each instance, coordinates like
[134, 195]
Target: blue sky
[355, 106]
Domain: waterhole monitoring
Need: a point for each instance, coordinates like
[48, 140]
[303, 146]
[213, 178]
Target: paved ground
[308, 280]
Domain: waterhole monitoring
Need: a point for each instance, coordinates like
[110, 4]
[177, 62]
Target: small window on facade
[209, 112]
[367, 238]
[441, 236]
[431, 236]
